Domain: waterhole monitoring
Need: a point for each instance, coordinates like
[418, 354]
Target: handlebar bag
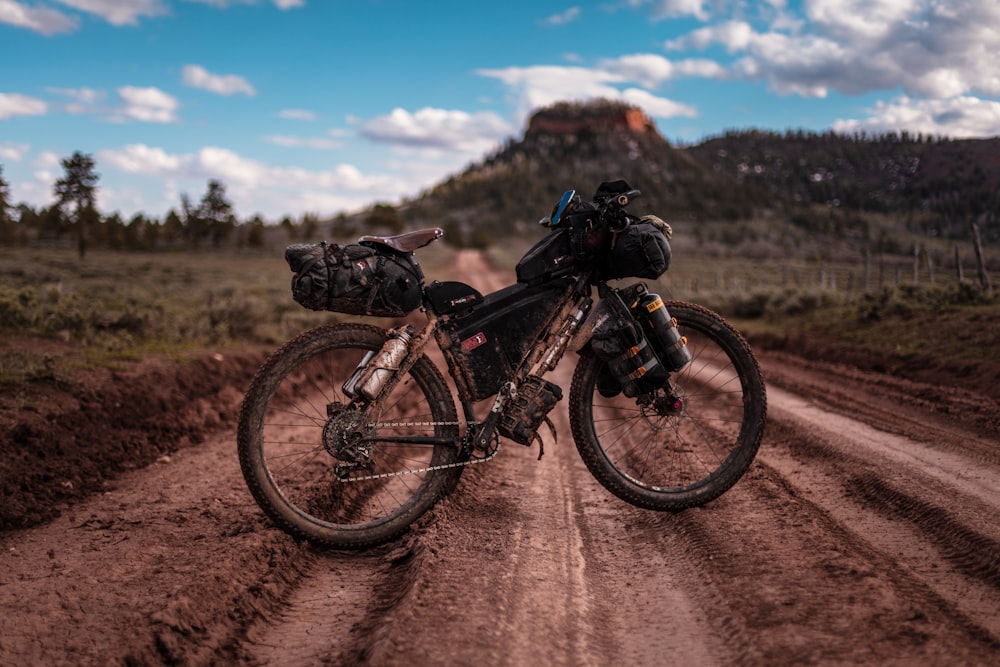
[354, 279]
[641, 250]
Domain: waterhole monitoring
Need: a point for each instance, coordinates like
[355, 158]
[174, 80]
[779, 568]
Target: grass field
[120, 306]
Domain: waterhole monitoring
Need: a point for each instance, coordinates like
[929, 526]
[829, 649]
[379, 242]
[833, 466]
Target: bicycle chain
[413, 471]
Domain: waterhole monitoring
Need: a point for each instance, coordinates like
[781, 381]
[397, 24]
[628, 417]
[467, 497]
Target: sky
[323, 106]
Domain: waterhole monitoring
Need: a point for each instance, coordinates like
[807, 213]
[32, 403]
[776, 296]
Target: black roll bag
[354, 279]
[640, 250]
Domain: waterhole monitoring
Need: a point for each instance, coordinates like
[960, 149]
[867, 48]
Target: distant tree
[384, 216]
[150, 237]
[310, 223]
[135, 232]
[114, 230]
[194, 227]
[216, 213]
[255, 232]
[50, 222]
[7, 230]
[173, 227]
[78, 190]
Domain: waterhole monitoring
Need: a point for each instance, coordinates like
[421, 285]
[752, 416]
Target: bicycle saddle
[408, 241]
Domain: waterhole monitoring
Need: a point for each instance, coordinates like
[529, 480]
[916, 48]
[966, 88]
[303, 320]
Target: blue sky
[320, 106]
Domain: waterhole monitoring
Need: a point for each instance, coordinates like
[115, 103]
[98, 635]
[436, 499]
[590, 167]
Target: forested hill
[572, 146]
[930, 186]
[944, 183]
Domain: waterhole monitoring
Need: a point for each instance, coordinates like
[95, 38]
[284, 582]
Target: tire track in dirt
[534, 562]
[527, 563]
[866, 533]
[164, 567]
[929, 512]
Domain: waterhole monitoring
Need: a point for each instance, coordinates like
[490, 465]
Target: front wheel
[334, 472]
[686, 443]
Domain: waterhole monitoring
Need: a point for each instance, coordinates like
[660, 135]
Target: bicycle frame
[549, 345]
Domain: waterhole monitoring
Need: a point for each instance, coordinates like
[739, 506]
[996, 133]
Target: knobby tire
[665, 458]
[284, 435]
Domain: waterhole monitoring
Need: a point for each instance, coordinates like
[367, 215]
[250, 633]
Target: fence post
[984, 277]
[868, 270]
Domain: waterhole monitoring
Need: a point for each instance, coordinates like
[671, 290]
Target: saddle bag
[354, 279]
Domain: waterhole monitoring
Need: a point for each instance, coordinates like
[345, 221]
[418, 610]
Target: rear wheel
[335, 473]
[686, 443]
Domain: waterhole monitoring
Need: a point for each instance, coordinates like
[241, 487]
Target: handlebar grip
[624, 199]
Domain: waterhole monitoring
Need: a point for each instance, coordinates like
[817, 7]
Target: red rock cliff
[567, 118]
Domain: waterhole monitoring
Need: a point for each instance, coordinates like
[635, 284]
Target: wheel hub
[665, 409]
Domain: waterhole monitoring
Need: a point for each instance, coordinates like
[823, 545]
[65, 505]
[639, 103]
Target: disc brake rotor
[666, 410]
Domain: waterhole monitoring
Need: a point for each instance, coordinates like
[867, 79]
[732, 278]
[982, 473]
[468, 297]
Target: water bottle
[661, 330]
[386, 362]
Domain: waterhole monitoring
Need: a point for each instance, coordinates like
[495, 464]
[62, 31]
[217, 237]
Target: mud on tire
[288, 462]
[687, 443]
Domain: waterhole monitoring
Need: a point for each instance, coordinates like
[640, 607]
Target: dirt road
[866, 532]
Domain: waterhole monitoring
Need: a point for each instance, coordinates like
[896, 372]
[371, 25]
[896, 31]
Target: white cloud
[954, 117]
[84, 100]
[148, 104]
[650, 70]
[14, 104]
[438, 129]
[40, 19]
[647, 69]
[321, 143]
[289, 4]
[119, 12]
[227, 84]
[658, 107]
[297, 114]
[13, 152]
[859, 19]
[543, 85]
[925, 47]
[254, 185]
[139, 158]
[668, 9]
[47, 160]
[733, 35]
[564, 17]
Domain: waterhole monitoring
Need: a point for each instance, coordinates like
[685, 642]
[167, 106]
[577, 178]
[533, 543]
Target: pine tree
[78, 188]
[6, 220]
[216, 213]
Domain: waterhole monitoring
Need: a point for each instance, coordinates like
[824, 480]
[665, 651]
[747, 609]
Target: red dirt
[865, 533]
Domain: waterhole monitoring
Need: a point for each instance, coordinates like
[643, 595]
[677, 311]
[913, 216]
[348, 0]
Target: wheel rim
[300, 423]
[680, 438]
